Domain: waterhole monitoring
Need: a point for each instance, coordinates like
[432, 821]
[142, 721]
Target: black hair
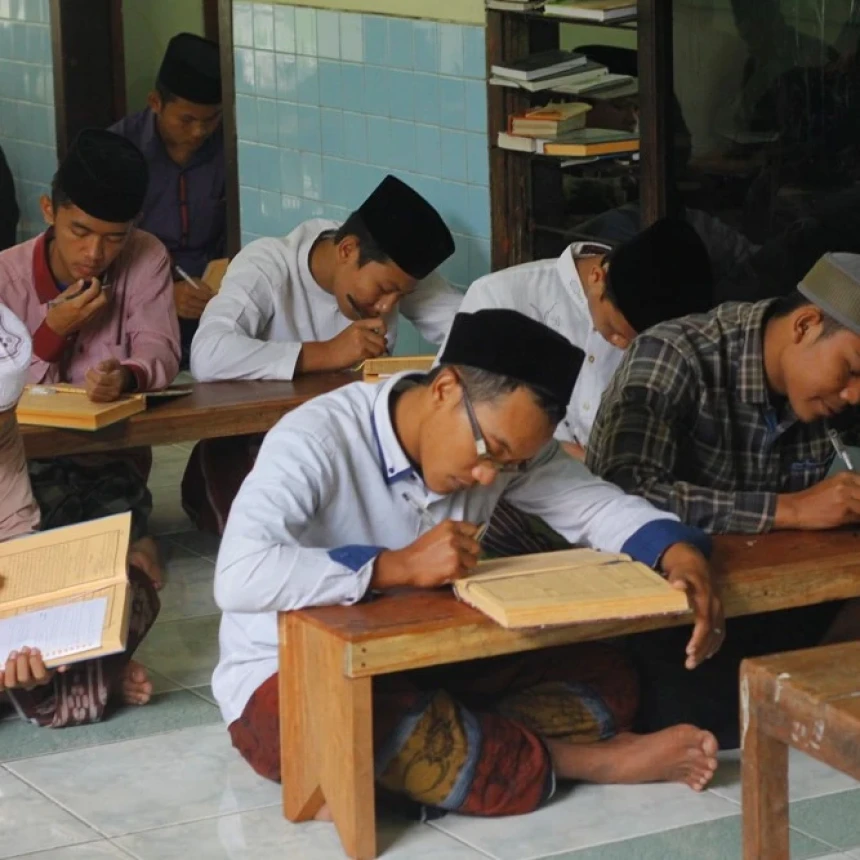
[59, 197]
[486, 387]
[164, 93]
[786, 305]
[368, 249]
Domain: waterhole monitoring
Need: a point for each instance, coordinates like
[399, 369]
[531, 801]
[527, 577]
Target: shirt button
[591, 359]
[390, 470]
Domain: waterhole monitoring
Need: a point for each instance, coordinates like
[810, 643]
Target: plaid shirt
[688, 423]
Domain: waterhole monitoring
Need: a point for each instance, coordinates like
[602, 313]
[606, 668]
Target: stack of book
[549, 122]
[548, 70]
[515, 5]
[601, 11]
[585, 143]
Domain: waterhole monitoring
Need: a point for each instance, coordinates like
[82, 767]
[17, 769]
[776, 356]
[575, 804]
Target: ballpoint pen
[361, 314]
[186, 277]
[841, 450]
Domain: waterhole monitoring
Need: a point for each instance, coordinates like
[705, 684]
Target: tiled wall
[27, 104]
[328, 103]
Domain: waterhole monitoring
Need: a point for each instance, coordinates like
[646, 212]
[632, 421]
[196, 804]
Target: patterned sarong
[468, 737]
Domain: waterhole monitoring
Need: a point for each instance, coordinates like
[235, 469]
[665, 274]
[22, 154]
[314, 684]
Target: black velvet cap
[661, 274]
[511, 344]
[191, 69]
[406, 227]
[105, 175]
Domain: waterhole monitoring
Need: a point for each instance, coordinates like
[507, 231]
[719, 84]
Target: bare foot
[144, 554]
[136, 686]
[324, 814]
[678, 754]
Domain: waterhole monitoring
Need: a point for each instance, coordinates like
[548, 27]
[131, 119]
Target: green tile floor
[162, 781]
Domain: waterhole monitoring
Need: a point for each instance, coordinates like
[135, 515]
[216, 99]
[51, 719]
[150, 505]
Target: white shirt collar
[569, 275]
[395, 463]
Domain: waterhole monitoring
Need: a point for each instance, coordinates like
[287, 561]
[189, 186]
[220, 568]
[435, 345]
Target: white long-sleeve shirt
[550, 291]
[332, 487]
[270, 304]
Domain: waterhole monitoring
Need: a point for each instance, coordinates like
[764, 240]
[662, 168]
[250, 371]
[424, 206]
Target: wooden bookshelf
[527, 201]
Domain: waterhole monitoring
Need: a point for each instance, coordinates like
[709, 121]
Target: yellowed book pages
[214, 274]
[381, 368]
[568, 587]
[67, 406]
[68, 565]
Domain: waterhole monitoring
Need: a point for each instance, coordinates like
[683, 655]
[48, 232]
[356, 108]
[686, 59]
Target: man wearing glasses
[376, 487]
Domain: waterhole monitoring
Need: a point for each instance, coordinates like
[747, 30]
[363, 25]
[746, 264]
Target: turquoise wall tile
[377, 84]
[267, 121]
[288, 126]
[400, 49]
[286, 77]
[452, 103]
[355, 136]
[425, 41]
[328, 35]
[379, 140]
[243, 60]
[291, 212]
[334, 180]
[309, 137]
[454, 164]
[428, 150]
[479, 211]
[312, 209]
[451, 49]
[351, 37]
[264, 26]
[427, 104]
[479, 259]
[477, 159]
[306, 31]
[308, 81]
[330, 84]
[474, 53]
[331, 128]
[352, 86]
[402, 94]
[248, 164]
[269, 167]
[291, 172]
[402, 152]
[335, 213]
[285, 29]
[376, 40]
[311, 175]
[265, 82]
[270, 213]
[243, 25]
[476, 106]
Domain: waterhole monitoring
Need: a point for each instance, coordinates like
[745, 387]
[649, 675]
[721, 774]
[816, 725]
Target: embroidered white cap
[15, 351]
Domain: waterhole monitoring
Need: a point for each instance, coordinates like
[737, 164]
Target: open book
[567, 587]
[381, 368]
[61, 405]
[65, 591]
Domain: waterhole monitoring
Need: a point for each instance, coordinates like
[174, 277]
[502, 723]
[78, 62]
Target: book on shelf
[584, 143]
[374, 369]
[568, 587]
[551, 121]
[602, 89]
[588, 73]
[546, 64]
[591, 10]
[515, 5]
[68, 407]
[65, 591]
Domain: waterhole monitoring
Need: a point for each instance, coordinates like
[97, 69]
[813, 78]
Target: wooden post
[228, 126]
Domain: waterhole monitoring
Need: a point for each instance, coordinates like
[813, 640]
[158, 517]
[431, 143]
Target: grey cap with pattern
[833, 284]
[15, 351]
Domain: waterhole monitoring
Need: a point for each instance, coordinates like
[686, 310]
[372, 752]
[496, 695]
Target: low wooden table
[212, 410]
[809, 700]
[329, 656]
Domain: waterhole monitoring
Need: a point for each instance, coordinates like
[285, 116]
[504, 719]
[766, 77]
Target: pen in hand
[841, 450]
[361, 314]
[186, 277]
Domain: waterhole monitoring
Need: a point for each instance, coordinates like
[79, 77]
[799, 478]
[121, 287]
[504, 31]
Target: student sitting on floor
[598, 298]
[375, 487]
[323, 298]
[723, 419]
[80, 693]
[181, 138]
[96, 296]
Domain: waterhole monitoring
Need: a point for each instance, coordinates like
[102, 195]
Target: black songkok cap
[105, 175]
[511, 344]
[661, 274]
[406, 228]
[191, 69]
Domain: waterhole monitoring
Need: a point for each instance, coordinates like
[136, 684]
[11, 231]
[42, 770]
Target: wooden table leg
[326, 736]
[764, 783]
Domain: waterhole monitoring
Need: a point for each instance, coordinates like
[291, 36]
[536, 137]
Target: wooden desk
[212, 410]
[809, 700]
[328, 657]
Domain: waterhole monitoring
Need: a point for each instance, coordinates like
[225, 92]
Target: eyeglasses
[481, 443]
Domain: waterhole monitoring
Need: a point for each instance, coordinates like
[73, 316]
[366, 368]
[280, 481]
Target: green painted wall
[461, 11]
[148, 26]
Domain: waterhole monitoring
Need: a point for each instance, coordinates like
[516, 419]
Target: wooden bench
[212, 410]
[809, 700]
[329, 656]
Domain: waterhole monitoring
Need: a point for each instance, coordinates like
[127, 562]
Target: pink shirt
[140, 330]
[19, 513]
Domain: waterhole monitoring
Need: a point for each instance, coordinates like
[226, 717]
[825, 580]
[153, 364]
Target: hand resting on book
[25, 670]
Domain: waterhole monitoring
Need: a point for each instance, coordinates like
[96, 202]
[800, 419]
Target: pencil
[186, 277]
[841, 450]
[361, 314]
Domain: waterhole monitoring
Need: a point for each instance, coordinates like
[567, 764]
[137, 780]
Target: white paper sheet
[60, 631]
